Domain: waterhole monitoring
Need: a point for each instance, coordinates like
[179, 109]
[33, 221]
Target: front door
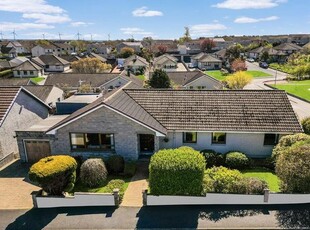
[146, 143]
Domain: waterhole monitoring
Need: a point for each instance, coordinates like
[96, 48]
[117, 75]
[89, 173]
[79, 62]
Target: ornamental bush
[306, 125]
[176, 172]
[54, 174]
[293, 168]
[236, 160]
[116, 164]
[93, 172]
[221, 180]
[287, 141]
[213, 158]
[130, 168]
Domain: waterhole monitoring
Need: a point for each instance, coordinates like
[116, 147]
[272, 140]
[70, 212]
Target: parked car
[263, 64]
[250, 60]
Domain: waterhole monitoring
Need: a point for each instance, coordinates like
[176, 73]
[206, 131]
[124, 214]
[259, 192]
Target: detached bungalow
[28, 69]
[19, 109]
[135, 64]
[206, 62]
[134, 122]
[165, 62]
[52, 63]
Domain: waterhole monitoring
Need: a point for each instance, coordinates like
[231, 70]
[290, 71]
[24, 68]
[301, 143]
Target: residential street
[301, 108]
[189, 217]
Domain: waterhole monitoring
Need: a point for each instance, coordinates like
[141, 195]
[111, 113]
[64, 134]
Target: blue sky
[164, 19]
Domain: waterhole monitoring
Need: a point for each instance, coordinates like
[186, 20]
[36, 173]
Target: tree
[85, 88]
[42, 42]
[238, 65]
[234, 52]
[207, 45]
[186, 37]
[79, 45]
[264, 56]
[159, 79]
[238, 80]
[127, 52]
[162, 49]
[90, 65]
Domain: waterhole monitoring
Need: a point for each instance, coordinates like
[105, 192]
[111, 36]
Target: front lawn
[298, 88]
[262, 173]
[37, 79]
[217, 74]
[141, 77]
[105, 188]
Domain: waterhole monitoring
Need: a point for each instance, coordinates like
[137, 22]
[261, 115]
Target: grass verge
[298, 88]
[217, 74]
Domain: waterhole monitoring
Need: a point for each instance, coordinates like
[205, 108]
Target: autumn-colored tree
[207, 45]
[90, 65]
[238, 80]
[126, 52]
[162, 49]
[238, 65]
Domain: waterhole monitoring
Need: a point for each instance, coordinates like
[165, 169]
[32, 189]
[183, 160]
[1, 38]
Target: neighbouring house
[171, 46]
[13, 81]
[28, 69]
[99, 48]
[100, 57]
[102, 81]
[17, 46]
[182, 49]
[52, 63]
[136, 64]
[9, 51]
[165, 62]
[288, 48]
[274, 55]
[136, 46]
[63, 48]
[51, 48]
[205, 61]
[19, 109]
[70, 58]
[221, 54]
[137, 122]
[193, 80]
[49, 94]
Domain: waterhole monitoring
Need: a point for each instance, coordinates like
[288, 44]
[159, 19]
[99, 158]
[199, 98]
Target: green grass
[262, 173]
[37, 79]
[286, 68]
[217, 74]
[79, 187]
[141, 77]
[298, 88]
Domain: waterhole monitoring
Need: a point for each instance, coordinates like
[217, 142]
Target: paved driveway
[15, 188]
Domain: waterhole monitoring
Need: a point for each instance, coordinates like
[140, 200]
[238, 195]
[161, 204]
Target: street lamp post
[275, 78]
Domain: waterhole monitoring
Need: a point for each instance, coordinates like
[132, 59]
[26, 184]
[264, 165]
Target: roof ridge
[10, 106]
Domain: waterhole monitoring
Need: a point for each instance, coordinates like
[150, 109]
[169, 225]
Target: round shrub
[293, 168]
[287, 141]
[93, 172]
[236, 160]
[306, 125]
[54, 174]
[116, 164]
[213, 158]
[176, 172]
[255, 186]
[222, 180]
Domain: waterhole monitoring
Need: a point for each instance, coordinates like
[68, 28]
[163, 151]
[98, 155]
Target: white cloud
[78, 24]
[29, 6]
[248, 4]
[255, 20]
[48, 18]
[10, 26]
[144, 12]
[135, 31]
[206, 29]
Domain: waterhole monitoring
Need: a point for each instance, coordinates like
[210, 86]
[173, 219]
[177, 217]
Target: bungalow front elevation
[134, 122]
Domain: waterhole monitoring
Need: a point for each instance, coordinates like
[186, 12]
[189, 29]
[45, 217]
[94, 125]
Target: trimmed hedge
[54, 174]
[93, 172]
[236, 160]
[213, 158]
[176, 172]
[116, 164]
[306, 125]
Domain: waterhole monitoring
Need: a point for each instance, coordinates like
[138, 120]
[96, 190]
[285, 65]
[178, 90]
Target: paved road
[301, 108]
[189, 217]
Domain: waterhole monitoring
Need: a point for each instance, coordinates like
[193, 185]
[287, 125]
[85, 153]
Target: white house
[18, 47]
[165, 62]
[206, 62]
[28, 69]
[52, 63]
[136, 64]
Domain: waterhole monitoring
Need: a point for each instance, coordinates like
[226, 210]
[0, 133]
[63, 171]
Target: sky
[159, 19]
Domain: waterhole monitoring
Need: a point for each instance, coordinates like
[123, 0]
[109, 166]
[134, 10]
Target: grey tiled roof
[49, 60]
[7, 96]
[27, 65]
[219, 110]
[40, 91]
[15, 81]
